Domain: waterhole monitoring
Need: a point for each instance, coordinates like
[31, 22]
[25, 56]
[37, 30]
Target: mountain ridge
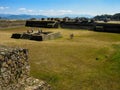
[21, 16]
[27, 16]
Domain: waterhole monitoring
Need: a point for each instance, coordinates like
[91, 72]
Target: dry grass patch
[82, 63]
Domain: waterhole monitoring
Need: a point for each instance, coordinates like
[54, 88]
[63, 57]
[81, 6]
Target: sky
[59, 7]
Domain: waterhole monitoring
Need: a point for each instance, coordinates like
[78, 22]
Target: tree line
[115, 17]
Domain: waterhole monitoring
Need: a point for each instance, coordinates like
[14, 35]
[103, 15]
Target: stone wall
[44, 24]
[15, 69]
[77, 25]
[37, 36]
[107, 27]
[52, 36]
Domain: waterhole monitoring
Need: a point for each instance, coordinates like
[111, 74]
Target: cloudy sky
[59, 7]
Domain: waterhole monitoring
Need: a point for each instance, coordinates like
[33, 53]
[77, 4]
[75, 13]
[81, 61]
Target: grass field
[11, 23]
[89, 61]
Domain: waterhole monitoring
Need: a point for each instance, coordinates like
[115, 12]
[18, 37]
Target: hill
[75, 15]
[21, 16]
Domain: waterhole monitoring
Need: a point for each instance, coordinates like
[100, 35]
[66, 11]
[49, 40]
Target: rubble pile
[15, 69]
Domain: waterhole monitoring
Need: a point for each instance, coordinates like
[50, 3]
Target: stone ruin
[44, 24]
[107, 27]
[15, 70]
[38, 36]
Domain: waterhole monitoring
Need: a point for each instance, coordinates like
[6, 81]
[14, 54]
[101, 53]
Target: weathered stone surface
[15, 69]
[38, 36]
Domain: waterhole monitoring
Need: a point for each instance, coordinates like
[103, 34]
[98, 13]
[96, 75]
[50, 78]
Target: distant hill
[21, 16]
[76, 15]
[25, 16]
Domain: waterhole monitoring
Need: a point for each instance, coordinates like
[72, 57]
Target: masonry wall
[14, 71]
[107, 27]
[44, 24]
[77, 25]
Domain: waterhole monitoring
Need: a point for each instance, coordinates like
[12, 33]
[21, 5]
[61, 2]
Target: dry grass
[11, 23]
[114, 22]
[81, 63]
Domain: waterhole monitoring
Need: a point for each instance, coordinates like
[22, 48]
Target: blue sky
[59, 7]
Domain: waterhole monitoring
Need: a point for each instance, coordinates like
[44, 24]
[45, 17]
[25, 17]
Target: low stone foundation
[37, 36]
[15, 69]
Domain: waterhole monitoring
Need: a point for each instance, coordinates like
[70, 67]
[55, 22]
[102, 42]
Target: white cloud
[65, 11]
[55, 12]
[50, 12]
[29, 10]
[24, 10]
[3, 8]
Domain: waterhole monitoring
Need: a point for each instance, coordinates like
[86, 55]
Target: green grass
[89, 61]
[108, 74]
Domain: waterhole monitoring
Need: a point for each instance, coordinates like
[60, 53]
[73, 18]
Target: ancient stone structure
[107, 27]
[38, 36]
[77, 25]
[44, 24]
[15, 69]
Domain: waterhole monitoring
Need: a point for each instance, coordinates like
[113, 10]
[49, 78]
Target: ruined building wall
[14, 71]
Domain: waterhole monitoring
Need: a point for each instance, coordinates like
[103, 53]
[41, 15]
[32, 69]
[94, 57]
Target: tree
[77, 19]
[42, 19]
[116, 16]
[32, 18]
[66, 19]
[102, 17]
[52, 19]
